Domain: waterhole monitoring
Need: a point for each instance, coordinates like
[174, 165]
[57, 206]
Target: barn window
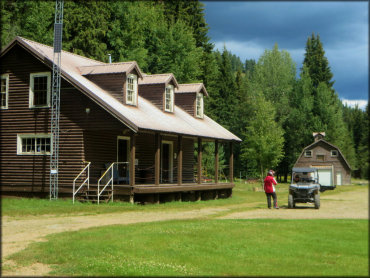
[169, 99]
[199, 107]
[334, 153]
[34, 144]
[4, 91]
[308, 153]
[40, 89]
[320, 157]
[131, 89]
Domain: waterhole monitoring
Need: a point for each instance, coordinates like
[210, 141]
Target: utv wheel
[317, 201]
[290, 201]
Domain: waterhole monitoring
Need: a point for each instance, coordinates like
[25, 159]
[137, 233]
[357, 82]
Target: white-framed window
[169, 99]
[40, 87]
[34, 144]
[4, 91]
[334, 153]
[199, 106]
[308, 153]
[131, 89]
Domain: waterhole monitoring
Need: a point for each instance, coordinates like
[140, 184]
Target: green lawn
[16, 207]
[208, 248]
[203, 247]
[243, 193]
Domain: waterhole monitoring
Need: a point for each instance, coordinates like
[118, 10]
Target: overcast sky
[248, 28]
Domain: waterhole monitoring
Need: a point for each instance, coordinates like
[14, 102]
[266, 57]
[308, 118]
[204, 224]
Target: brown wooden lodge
[120, 129]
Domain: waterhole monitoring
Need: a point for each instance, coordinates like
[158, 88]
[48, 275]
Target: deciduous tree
[263, 136]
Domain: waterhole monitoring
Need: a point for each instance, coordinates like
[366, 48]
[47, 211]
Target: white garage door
[325, 177]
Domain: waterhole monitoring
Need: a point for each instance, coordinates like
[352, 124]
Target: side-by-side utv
[305, 187]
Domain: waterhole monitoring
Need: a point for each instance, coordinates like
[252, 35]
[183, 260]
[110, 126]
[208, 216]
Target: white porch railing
[87, 180]
[110, 181]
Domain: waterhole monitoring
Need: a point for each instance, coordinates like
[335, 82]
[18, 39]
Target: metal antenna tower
[55, 100]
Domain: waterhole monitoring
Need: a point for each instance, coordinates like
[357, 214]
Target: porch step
[91, 195]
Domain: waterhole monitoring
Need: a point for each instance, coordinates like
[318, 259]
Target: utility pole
[55, 100]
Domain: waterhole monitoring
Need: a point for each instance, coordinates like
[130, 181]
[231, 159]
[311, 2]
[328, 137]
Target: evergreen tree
[210, 73]
[85, 27]
[317, 63]
[357, 124]
[327, 109]
[363, 149]
[131, 24]
[330, 119]
[225, 102]
[192, 14]
[249, 67]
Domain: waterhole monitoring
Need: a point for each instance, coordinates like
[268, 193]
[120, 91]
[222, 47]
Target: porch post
[231, 163]
[199, 160]
[132, 158]
[216, 161]
[157, 159]
[179, 160]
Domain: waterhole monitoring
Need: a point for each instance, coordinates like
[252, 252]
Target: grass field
[203, 247]
[242, 193]
[208, 248]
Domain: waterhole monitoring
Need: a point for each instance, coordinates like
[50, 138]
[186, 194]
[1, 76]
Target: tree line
[263, 102]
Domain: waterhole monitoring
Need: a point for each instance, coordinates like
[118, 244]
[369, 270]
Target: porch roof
[146, 116]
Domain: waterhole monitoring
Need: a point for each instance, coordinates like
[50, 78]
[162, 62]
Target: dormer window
[199, 107]
[131, 89]
[169, 99]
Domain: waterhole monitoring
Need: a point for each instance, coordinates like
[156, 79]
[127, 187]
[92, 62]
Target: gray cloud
[289, 23]
[247, 28]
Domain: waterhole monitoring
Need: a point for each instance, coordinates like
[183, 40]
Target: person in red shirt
[269, 187]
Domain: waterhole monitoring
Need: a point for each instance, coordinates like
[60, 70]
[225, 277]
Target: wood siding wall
[30, 173]
[186, 102]
[113, 83]
[154, 93]
[83, 136]
[338, 162]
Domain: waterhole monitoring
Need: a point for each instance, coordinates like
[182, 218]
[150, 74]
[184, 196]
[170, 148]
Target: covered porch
[165, 173]
[154, 167]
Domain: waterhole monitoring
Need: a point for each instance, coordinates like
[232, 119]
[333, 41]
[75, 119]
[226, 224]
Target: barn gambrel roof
[325, 142]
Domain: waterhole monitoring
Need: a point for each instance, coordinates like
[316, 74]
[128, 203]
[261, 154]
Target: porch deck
[151, 193]
[168, 188]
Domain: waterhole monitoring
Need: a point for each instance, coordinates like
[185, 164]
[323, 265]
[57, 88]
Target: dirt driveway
[18, 233]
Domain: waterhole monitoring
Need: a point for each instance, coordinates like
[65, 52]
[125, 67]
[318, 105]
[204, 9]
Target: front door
[167, 162]
[123, 144]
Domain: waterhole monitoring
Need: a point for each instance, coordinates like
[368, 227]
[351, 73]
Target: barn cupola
[190, 97]
[318, 135]
[159, 89]
[119, 79]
